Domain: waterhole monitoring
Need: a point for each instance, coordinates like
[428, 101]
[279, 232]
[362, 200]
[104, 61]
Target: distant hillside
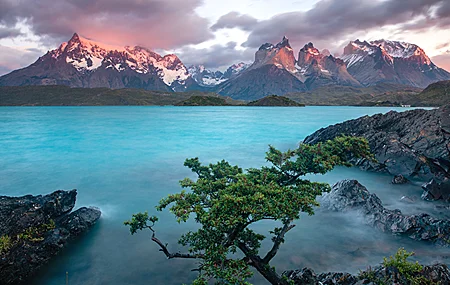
[380, 94]
[274, 100]
[437, 94]
[56, 95]
[209, 101]
[383, 94]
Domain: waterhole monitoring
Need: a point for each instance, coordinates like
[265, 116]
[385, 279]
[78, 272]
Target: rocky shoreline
[433, 274]
[33, 229]
[414, 144]
[350, 195]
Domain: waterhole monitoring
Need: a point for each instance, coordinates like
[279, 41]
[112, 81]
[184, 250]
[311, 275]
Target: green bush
[5, 244]
[35, 234]
[399, 261]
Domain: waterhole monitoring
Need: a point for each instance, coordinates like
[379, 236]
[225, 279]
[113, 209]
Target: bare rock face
[351, 195]
[414, 143]
[253, 84]
[321, 68]
[36, 228]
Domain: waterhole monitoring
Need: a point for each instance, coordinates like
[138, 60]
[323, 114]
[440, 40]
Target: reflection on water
[125, 159]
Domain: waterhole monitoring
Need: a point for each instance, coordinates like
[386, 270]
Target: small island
[199, 100]
[276, 101]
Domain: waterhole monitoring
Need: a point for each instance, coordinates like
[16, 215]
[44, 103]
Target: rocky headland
[414, 144]
[33, 229]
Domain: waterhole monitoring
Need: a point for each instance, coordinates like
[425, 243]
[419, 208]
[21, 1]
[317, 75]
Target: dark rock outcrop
[438, 273]
[37, 228]
[348, 195]
[399, 179]
[414, 143]
[434, 190]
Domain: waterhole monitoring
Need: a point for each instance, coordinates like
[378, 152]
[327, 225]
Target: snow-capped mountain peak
[87, 56]
[394, 61]
[402, 49]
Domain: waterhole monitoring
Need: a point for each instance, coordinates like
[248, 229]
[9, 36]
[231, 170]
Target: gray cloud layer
[332, 20]
[11, 59]
[6, 32]
[235, 20]
[152, 23]
[216, 56]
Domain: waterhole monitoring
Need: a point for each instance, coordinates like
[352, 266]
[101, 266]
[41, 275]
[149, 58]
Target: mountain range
[81, 62]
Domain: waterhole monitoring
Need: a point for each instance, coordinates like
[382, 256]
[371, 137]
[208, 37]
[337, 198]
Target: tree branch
[277, 242]
[169, 255]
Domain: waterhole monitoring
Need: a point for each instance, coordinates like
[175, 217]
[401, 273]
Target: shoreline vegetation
[384, 95]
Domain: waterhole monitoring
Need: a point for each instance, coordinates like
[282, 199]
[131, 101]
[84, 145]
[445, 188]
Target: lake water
[125, 159]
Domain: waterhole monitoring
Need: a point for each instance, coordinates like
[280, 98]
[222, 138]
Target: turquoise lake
[125, 159]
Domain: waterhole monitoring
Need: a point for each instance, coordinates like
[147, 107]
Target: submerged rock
[35, 228]
[399, 179]
[407, 199]
[351, 195]
[438, 273]
[414, 143]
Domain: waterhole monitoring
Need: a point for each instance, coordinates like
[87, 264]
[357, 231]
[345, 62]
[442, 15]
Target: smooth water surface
[125, 159]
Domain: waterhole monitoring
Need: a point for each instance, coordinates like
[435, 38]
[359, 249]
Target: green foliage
[206, 101]
[399, 261]
[36, 234]
[5, 244]
[408, 271]
[274, 100]
[225, 201]
[140, 221]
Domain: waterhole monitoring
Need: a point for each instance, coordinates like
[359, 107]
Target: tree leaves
[225, 200]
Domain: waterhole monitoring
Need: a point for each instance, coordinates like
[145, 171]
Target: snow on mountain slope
[87, 56]
[391, 61]
[208, 78]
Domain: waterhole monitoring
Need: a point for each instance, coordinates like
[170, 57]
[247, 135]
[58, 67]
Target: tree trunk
[263, 268]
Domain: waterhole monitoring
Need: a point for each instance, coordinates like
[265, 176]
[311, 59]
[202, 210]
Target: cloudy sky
[217, 33]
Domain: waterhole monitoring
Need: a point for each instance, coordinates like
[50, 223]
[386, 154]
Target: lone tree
[225, 201]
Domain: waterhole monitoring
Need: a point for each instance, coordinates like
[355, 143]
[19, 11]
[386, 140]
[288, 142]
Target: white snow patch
[212, 81]
[351, 59]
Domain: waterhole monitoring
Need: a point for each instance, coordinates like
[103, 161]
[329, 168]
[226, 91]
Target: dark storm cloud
[331, 20]
[6, 32]
[152, 23]
[235, 20]
[216, 56]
